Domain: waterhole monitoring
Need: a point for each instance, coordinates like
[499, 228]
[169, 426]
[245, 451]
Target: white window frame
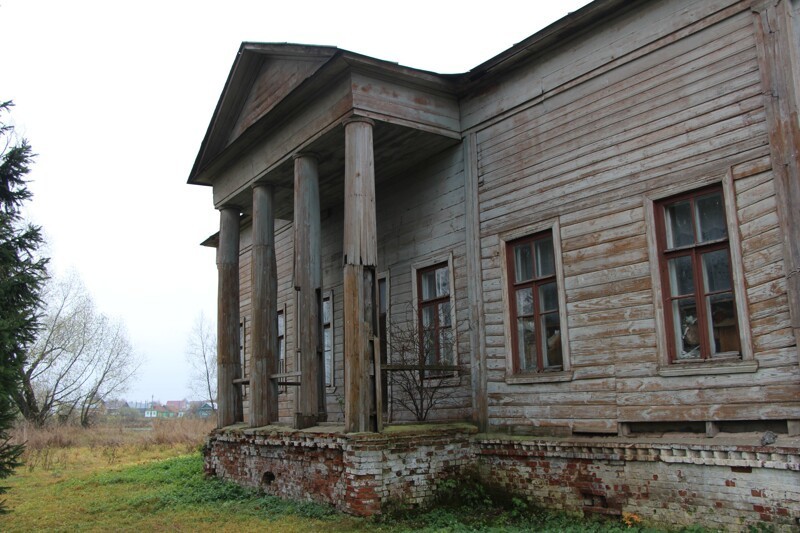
[566, 374]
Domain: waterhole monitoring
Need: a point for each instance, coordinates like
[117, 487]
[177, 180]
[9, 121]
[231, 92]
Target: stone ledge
[727, 450]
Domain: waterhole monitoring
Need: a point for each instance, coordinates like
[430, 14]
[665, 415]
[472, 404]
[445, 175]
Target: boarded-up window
[695, 267]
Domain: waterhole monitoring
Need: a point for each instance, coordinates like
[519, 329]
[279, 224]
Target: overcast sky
[115, 98]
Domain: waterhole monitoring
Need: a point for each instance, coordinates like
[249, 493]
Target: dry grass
[190, 431]
[49, 448]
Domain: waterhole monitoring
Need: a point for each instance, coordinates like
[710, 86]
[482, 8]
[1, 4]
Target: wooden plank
[619, 43]
[770, 376]
[635, 108]
[610, 316]
[601, 167]
[750, 170]
[409, 103]
[602, 287]
[731, 411]
[627, 251]
[703, 160]
[274, 81]
[609, 232]
[277, 147]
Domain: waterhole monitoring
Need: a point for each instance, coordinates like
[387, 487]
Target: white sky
[115, 97]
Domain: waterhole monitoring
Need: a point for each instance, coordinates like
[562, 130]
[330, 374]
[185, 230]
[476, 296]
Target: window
[534, 304]
[383, 314]
[245, 372]
[434, 320]
[327, 338]
[242, 353]
[281, 346]
[697, 285]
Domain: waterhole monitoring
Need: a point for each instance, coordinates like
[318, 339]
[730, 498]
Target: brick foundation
[358, 473]
[719, 483]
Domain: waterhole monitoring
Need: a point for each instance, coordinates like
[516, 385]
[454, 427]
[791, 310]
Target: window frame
[281, 341]
[243, 359]
[653, 201]
[436, 302]
[384, 277]
[506, 243]
[535, 284]
[328, 295]
[416, 269]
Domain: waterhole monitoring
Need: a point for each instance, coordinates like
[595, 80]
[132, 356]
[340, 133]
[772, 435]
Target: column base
[305, 421]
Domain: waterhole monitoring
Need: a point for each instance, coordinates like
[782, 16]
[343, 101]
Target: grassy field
[117, 479]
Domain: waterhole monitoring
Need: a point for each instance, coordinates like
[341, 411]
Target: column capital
[303, 155]
[230, 207]
[357, 118]
[257, 184]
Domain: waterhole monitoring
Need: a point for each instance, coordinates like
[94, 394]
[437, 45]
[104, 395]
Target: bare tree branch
[201, 353]
[419, 384]
[79, 357]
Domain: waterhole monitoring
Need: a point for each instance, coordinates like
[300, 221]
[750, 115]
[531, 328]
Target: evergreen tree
[22, 273]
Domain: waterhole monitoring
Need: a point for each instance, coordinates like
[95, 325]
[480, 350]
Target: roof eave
[565, 28]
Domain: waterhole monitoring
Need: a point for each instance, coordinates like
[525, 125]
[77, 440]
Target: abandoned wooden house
[577, 262]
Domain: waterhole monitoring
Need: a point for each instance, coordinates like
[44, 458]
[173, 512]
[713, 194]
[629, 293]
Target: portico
[351, 120]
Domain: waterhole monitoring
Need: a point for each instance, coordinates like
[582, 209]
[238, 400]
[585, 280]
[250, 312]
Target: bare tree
[79, 357]
[201, 353]
[418, 382]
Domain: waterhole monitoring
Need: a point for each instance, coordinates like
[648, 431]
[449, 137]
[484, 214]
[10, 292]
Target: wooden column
[780, 76]
[477, 339]
[229, 396]
[308, 285]
[779, 64]
[360, 261]
[264, 359]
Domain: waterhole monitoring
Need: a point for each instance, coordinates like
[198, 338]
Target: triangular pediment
[261, 77]
[276, 78]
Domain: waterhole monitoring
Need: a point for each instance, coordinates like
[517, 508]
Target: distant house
[179, 407]
[158, 410]
[140, 406]
[201, 409]
[112, 407]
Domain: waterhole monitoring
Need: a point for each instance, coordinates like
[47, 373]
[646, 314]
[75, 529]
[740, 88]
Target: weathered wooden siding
[284, 251]
[276, 79]
[421, 222]
[420, 218]
[245, 305]
[662, 108]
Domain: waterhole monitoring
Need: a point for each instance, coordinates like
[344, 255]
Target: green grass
[160, 491]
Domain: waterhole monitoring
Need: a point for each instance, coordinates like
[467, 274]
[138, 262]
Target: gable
[276, 78]
[261, 77]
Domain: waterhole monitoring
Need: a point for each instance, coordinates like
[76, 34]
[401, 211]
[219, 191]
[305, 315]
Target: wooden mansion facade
[593, 233]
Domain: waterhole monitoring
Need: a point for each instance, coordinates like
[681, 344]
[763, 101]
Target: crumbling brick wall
[728, 486]
[721, 486]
